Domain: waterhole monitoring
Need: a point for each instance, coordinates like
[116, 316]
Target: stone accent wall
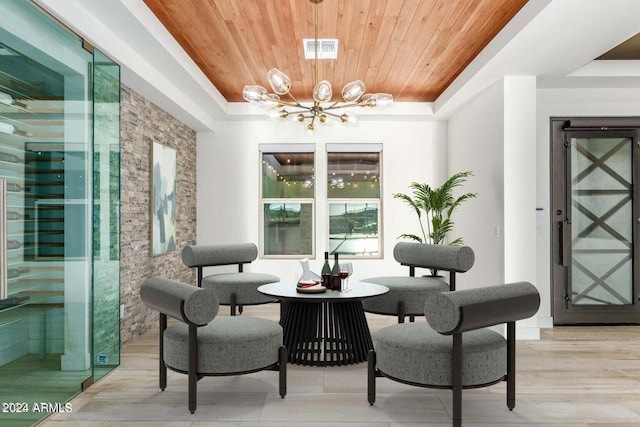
[142, 122]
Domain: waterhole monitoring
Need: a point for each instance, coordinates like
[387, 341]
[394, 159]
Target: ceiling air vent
[327, 48]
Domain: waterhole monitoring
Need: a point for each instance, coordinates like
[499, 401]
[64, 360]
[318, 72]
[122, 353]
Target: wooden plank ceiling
[412, 49]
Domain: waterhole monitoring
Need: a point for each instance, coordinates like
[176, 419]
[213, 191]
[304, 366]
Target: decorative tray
[310, 287]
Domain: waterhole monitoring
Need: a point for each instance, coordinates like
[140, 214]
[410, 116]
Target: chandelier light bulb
[254, 93]
[349, 119]
[275, 114]
[310, 128]
[279, 81]
[381, 101]
[300, 117]
[353, 91]
[323, 92]
[270, 100]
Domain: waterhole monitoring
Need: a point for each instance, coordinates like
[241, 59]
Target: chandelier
[323, 108]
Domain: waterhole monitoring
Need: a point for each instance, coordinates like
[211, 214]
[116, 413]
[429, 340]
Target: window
[353, 196]
[288, 209]
[288, 204]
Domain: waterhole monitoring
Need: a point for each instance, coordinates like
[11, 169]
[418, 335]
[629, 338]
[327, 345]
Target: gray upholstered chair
[474, 356]
[235, 289]
[202, 344]
[408, 294]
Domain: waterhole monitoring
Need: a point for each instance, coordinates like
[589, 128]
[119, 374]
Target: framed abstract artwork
[163, 199]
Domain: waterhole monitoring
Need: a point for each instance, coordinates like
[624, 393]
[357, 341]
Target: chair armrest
[469, 309]
[211, 255]
[189, 304]
[458, 259]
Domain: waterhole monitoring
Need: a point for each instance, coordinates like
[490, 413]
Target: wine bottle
[13, 244]
[9, 158]
[335, 273]
[7, 99]
[12, 130]
[13, 215]
[326, 272]
[12, 273]
[12, 302]
[12, 186]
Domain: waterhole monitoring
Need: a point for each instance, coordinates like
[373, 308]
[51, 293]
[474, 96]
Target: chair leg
[193, 368]
[162, 367]
[401, 312]
[371, 377]
[456, 375]
[511, 365]
[233, 303]
[282, 365]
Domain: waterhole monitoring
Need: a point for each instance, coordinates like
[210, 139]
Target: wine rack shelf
[32, 161]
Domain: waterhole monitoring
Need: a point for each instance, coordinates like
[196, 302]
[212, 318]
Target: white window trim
[286, 148]
[355, 148]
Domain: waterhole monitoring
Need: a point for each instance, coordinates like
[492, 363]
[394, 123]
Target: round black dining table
[324, 329]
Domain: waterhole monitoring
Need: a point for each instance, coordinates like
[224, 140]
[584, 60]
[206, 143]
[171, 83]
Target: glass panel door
[595, 218]
[46, 164]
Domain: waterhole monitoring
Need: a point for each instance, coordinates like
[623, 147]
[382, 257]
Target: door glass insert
[601, 221]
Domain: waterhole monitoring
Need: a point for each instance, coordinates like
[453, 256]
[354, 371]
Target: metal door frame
[561, 130]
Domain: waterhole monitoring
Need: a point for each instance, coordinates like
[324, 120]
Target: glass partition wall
[59, 214]
[106, 215]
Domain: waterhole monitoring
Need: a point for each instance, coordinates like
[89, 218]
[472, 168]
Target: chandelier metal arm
[317, 107]
[338, 105]
[295, 100]
[280, 102]
[328, 113]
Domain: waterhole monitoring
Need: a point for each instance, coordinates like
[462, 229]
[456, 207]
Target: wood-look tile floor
[572, 376]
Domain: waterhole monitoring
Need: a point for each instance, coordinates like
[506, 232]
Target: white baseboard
[527, 333]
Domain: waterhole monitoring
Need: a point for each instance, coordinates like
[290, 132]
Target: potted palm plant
[434, 207]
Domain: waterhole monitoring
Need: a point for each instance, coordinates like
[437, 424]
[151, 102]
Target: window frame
[264, 201]
[355, 148]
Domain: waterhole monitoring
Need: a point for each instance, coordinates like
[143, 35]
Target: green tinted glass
[353, 228]
[288, 175]
[288, 228]
[353, 175]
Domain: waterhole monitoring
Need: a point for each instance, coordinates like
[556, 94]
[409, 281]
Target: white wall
[494, 136]
[228, 167]
[476, 144]
[519, 182]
